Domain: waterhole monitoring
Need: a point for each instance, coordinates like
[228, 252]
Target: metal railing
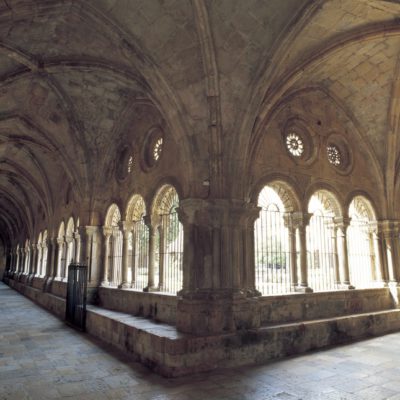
[169, 257]
[272, 256]
[359, 244]
[139, 255]
[321, 257]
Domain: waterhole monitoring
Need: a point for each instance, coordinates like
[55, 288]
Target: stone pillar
[22, 260]
[33, 259]
[48, 267]
[69, 252]
[217, 295]
[380, 267]
[289, 223]
[77, 246]
[301, 221]
[107, 232]
[390, 233]
[126, 228]
[336, 263]
[38, 265]
[152, 249]
[342, 225]
[59, 265]
[90, 253]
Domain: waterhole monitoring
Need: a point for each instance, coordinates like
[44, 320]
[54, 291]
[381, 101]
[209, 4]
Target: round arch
[61, 230]
[165, 200]
[136, 208]
[70, 227]
[113, 216]
[328, 198]
[362, 206]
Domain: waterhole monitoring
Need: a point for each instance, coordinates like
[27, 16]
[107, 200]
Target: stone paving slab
[41, 358]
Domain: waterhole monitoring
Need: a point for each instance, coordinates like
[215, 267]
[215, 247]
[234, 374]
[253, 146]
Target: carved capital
[217, 213]
[107, 231]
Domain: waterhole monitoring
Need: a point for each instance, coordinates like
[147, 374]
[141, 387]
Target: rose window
[294, 144]
[334, 155]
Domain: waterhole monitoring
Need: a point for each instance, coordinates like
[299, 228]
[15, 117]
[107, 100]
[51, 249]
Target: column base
[124, 285]
[47, 284]
[303, 289]
[150, 289]
[105, 284]
[345, 286]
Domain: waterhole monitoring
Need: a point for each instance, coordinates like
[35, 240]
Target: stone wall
[160, 307]
[303, 307]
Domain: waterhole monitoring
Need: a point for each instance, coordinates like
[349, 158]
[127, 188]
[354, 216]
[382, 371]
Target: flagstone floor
[41, 358]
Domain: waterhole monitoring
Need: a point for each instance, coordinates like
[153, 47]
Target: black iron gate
[75, 313]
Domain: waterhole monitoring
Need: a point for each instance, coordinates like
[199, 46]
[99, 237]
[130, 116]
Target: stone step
[171, 353]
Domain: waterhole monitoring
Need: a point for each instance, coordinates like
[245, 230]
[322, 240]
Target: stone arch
[165, 200]
[61, 230]
[328, 198]
[113, 216]
[284, 187]
[70, 227]
[363, 207]
[136, 208]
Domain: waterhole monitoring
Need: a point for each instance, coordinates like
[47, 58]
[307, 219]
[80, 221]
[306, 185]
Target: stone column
[69, 252]
[336, 263]
[77, 246]
[59, 265]
[289, 223]
[126, 228]
[17, 261]
[107, 232]
[342, 225]
[90, 253]
[38, 264]
[47, 267]
[390, 233]
[380, 267]
[22, 260]
[152, 248]
[33, 259]
[217, 295]
[301, 221]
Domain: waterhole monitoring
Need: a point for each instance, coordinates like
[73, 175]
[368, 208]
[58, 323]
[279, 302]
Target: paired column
[32, 260]
[126, 228]
[107, 232]
[380, 268]
[300, 222]
[342, 225]
[152, 249]
[60, 258]
[390, 230]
